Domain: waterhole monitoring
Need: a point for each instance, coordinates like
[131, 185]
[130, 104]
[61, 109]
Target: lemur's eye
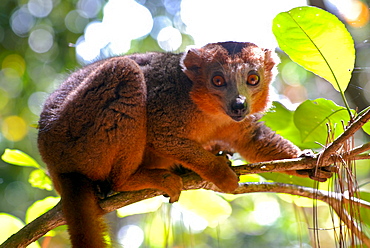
[218, 81]
[253, 78]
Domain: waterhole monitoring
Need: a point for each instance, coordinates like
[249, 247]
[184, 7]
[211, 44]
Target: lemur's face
[233, 84]
[230, 78]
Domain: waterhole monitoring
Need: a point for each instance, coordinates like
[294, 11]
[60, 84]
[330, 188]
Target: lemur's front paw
[318, 174]
[224, 177]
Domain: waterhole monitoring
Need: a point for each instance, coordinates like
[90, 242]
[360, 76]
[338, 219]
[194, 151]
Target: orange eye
[253, 79]
[218, 81]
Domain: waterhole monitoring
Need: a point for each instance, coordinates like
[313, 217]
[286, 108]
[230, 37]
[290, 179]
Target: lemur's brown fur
[126, 121]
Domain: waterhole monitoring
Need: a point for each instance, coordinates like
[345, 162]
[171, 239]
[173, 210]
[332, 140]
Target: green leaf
[366, 127]
[10, 225]
[39, 179]
[250, 178]
[209, 205]
[318, 41]
[40, 207]
[365, 213]
[20, 158]
[281, 120]
[312, 117]
[278, 117]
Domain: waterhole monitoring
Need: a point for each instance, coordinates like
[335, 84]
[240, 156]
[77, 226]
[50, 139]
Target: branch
[36, 229]
[54, 217]
[300, 163]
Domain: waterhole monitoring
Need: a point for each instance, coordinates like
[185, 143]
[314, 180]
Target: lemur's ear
[192, 60]
[270, 59]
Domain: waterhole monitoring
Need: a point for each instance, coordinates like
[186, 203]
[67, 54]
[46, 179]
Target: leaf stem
[345, 101]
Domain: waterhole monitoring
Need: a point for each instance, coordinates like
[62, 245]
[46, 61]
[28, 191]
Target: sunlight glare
[169, 39]
[22, 21]
[40, 8]
[356, 13]
[190, 220]
[206, 21]
[266, 211]
[40, 40]
[131, 236]
[234, 20]
[123, 21]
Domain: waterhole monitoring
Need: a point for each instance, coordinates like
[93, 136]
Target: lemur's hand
[318, 174]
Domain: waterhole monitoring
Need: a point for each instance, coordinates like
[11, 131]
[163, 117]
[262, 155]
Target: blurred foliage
[38, 40]
[26, 74]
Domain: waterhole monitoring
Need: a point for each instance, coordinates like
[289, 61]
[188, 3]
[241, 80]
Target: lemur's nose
[239, 106]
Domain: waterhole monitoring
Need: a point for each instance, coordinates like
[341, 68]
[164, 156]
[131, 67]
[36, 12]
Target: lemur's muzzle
[239, 108]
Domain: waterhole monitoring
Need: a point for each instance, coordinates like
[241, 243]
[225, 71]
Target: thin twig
[361, 157]
[337, 144]
[332, 199]
[359, 149]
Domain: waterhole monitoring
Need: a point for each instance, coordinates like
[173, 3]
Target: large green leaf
[278, 117]
[318, 41]
[281, 120]
[313, 116]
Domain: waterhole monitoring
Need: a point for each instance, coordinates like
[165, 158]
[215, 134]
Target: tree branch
[54, 217]
[36, 229]
[299, 163]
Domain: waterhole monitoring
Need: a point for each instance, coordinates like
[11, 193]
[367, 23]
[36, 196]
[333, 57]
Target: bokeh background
[41, 41]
